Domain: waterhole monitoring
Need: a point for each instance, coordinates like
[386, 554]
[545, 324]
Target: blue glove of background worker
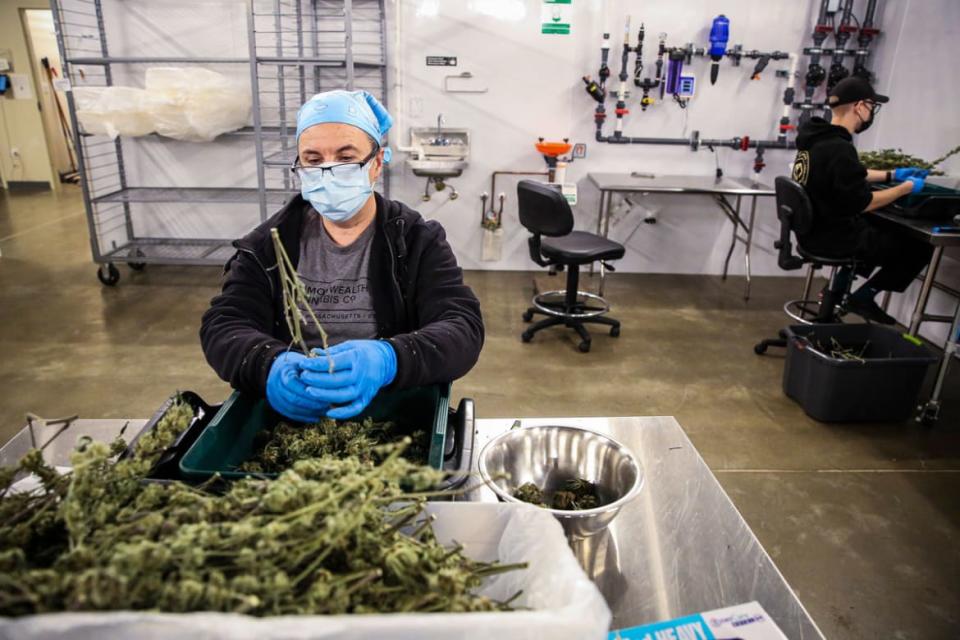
[918, 183]
[360, 369]
[903, 173]
[287, 394]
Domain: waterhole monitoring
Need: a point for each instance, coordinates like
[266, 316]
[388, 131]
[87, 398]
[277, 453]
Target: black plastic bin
[883, 387]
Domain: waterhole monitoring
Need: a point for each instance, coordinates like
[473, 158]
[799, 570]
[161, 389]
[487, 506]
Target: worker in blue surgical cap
[382, 281]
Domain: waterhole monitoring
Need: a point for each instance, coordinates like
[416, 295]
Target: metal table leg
[606, 217]
[604, 195]
[749, 244]
[928, 280]
[733, 213]
[606, 234]
[930, 411]
[807, 285]
[885, 300]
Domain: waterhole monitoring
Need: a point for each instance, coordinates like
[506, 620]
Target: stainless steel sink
[437, 167]
[438, 154]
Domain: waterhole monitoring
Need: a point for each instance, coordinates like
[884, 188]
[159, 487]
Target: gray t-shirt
[337, 282]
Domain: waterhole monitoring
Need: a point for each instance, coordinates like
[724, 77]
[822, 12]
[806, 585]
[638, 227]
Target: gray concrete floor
[863, 520]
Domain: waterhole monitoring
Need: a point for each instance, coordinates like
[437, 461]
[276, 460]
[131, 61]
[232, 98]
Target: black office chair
[544, 211]
[795, 212]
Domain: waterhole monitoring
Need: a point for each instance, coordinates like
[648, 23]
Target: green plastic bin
[228, 439]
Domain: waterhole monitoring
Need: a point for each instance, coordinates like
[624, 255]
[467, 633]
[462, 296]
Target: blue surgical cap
[357, 108]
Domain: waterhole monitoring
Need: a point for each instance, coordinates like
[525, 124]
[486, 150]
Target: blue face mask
[336, 191]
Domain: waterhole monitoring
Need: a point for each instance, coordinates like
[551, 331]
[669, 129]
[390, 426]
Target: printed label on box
[745, 622]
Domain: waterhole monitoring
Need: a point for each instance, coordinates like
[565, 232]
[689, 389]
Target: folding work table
[721, 189]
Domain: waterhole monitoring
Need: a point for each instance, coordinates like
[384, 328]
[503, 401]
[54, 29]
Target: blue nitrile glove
[918, 183]
[360, 369]
[287, 394]
[903, 173]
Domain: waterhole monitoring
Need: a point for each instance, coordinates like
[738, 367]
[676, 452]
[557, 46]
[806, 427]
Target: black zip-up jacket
[420, 302]
[828, 167]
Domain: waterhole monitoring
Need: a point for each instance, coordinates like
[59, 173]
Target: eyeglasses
[874, 106]
[339, 170]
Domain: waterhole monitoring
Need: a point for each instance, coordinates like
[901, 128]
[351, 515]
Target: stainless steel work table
[681, 547]
[923, 230]
[719, 188]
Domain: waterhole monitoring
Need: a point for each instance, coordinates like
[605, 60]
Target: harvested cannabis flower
[529, 492]
[890, 159]
[327, 536]
[575, 494]
[277, 448]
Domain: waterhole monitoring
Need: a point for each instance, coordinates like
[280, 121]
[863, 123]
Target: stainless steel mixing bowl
[550, 455]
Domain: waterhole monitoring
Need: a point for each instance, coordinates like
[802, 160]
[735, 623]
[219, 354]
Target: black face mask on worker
[865, 124]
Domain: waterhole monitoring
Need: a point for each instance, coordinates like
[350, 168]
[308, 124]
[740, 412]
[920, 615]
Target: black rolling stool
[545, 212]
[795, 212]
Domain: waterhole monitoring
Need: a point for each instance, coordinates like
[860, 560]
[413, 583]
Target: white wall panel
[534, 89]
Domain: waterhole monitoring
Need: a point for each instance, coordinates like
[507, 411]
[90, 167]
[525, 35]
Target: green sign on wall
[555, 17]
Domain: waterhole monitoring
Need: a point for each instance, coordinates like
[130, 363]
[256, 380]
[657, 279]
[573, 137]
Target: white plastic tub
[563, 603]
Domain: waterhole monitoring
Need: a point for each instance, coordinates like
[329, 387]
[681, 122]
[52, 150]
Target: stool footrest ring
[805, 311]
[553, 303]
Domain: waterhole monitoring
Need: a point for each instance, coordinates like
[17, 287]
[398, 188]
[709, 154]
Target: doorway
[48, 75]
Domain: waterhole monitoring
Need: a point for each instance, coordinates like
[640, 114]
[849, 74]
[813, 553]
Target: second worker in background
[829, 168]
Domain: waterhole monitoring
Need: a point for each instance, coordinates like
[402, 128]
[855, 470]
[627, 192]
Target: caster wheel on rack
[759, 348]
[137, 266]
[526, 336]
[527, 316]
[108, 274]
[929, 414]
[584, 347]
[614, 332]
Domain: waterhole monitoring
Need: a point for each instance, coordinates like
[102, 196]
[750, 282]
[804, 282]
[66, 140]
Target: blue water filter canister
[719, 37]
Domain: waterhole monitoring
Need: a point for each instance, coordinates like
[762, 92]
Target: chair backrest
[795, 212]
[543, 209]
[793, 198]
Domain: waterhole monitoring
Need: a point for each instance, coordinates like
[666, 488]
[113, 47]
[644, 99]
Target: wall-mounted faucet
[440, 140]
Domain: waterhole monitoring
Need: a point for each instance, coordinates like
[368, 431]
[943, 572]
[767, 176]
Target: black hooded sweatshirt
[828, 167]
[421, 305]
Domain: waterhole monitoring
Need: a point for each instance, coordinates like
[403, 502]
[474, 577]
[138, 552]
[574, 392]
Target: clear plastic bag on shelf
[196, 104]
[113, 111]
[184, 103]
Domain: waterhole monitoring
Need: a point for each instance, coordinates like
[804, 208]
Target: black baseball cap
[853, 89]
